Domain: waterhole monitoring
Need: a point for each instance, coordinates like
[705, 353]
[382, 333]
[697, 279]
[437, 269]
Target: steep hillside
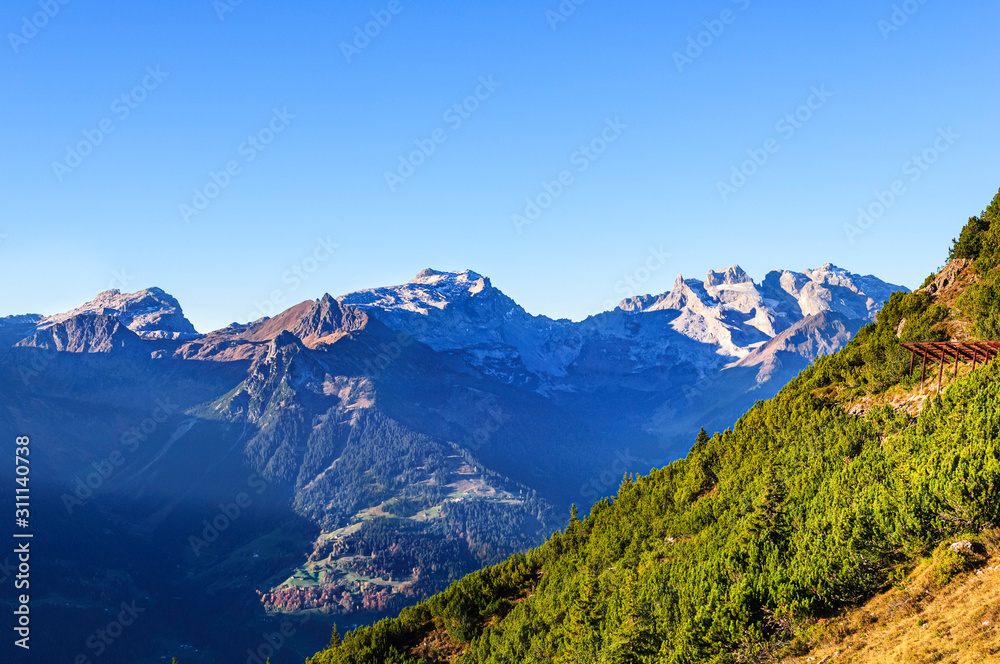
[938, 612]
[799, 511]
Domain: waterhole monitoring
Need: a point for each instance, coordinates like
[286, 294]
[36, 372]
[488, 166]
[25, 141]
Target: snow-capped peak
[431, 277]
[730, 310]
[725, 316]
[151, 313]
[430, 289]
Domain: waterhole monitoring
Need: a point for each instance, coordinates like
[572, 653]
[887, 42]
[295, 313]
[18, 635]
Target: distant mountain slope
[729, 310]
[727, 314]
[813, 336]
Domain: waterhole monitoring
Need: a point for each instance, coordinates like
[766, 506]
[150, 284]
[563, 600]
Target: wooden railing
[944, 351]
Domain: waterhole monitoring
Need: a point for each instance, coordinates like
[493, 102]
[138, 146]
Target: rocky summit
[728, 316]
[150, 313]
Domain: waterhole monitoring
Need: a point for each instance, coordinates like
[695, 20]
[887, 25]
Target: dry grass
[918, 621]
[437, 646]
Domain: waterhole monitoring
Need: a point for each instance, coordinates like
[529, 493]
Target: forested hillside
[812, 502]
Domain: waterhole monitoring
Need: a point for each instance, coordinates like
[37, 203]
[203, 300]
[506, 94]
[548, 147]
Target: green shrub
[949, 563]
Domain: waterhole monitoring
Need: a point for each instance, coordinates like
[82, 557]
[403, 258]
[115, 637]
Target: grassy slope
[922, 618]
[734, 553]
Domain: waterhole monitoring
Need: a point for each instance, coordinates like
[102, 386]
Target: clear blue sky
[118, 211]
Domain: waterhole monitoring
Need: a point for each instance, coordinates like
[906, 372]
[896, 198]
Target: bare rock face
[314, 323]
[150, 313]
[730, 311]
[85, 334]
[705, 324]
[951, 281]
[947, 276]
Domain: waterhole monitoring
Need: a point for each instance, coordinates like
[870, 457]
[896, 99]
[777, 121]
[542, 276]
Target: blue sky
[323, 128]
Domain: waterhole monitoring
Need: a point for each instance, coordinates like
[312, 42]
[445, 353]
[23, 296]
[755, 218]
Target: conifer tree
[583, 623]
[634, 640]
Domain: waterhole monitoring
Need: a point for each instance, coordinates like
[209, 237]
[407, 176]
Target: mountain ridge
[462, 312]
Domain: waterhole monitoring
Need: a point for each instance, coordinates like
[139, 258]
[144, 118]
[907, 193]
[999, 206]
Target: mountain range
[851, 517]
[352, 455]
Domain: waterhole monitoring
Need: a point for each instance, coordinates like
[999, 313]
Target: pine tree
[334, 637]
[634, 640]
[582, 624]
[703, 437]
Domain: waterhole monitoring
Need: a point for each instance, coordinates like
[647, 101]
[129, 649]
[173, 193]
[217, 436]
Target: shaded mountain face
[15, 328]
[352, 455]
[85, 334]
[818, 334]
